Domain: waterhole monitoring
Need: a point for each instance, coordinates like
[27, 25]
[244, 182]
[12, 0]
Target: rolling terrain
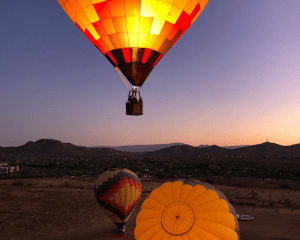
[52, 196]
[47, 157]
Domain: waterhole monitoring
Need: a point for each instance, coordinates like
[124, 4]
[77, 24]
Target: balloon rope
[124, 80]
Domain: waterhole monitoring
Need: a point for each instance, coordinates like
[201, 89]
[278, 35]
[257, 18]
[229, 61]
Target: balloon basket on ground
[134, 104]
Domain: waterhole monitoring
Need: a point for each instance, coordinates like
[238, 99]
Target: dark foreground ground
[65, 209]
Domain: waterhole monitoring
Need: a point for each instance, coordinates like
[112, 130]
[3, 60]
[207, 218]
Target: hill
[143, 148]
[51, 157]
[54, 147]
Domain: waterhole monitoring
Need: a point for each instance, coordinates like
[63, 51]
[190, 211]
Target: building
[6, 169]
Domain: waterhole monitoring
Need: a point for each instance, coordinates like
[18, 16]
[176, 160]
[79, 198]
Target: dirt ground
[66, 209]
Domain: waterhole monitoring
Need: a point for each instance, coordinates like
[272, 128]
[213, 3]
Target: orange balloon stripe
[146, 55]
[112, 59]
[127, 55]
[156, 62]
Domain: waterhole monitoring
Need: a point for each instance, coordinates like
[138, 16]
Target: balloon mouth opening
[177, 218]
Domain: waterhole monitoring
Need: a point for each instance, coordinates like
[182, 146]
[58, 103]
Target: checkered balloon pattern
[118, 191]
[133, 34]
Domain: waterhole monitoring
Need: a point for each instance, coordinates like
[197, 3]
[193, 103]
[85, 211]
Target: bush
[271, 203]
[67, 185]
[284, 186]
[18, 183]
[210, 180]
[288, 203]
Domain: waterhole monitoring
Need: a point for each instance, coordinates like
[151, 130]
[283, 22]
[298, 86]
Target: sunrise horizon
[267, 140]
[150, 119]
[232, 79]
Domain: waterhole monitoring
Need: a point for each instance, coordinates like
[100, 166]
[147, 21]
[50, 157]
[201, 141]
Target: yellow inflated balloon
[186, 210]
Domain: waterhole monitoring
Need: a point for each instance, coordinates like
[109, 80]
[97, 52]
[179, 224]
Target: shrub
[18, 183]
[271, 203]
[285, 186]
[67, 185]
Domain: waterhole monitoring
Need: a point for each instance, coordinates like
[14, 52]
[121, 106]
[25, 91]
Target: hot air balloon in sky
[133, 34]
[184, 210]
[118, 191]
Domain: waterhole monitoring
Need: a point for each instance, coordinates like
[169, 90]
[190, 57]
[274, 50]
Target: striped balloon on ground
[118, 191]
[186, 210]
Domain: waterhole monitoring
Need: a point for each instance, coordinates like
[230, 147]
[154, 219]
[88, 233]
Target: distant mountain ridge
[48, 157]
[263, 150]
[156, 147]
[235, 147]
[143, 148]
[51, 146]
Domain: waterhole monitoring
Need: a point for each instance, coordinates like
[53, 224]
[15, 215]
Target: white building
[6, 169]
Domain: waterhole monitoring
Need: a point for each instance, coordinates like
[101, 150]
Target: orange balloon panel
[133, 34]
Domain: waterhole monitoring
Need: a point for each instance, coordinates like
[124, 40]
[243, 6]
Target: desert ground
[66, 209]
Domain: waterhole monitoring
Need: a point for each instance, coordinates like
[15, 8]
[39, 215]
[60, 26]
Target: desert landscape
[47, 189]
[92, 88]
[66, 209]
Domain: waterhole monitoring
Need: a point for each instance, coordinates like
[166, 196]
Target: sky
[232, 79]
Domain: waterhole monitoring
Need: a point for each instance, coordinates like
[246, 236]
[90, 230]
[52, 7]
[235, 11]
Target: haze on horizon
[233, 79]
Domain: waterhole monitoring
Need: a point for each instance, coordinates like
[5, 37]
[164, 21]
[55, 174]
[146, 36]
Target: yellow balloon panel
[100, 18]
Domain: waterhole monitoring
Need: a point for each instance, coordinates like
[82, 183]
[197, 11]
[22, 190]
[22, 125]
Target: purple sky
[232, 79]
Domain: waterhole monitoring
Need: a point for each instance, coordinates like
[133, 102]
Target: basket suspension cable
[124, 80]
[134, 104]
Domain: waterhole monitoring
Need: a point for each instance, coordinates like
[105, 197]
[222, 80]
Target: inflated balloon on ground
[118, 191]
[186, 210]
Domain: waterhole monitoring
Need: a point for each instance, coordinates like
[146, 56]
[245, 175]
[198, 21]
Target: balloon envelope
[133, 34]
[184, 210]
[118, 192]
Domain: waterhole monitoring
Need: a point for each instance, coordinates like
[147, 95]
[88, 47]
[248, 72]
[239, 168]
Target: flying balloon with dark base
[133, 35]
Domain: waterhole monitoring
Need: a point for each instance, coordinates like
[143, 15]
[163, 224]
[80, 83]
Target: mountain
[51, 147]
[259, 151]
[156, 147]
[48, 157]
[235, 147]
[190, 152]
[202, 146]
[144, 148]
[177, 150]
[269, 150]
